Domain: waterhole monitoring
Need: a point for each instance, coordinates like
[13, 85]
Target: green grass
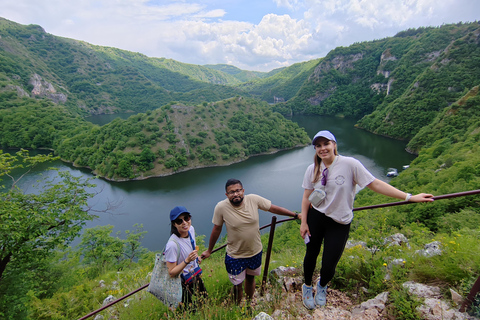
[358, 269]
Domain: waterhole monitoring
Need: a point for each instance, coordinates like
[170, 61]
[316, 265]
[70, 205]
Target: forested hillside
[448, 163]
[282, 85]
[242, 75]
[395, 85]
[46, 82]
[175, 137]
[92, 79]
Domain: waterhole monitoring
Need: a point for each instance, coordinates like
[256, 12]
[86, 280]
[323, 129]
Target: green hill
[189, 122]
[239, 74]
[395, 85]
[283, 85]
[173, 138]
[92, 79]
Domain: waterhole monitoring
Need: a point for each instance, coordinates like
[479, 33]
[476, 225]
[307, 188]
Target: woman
[329, 191]
[181, 255]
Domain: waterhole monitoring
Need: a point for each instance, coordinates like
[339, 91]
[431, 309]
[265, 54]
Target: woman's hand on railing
[422, 197]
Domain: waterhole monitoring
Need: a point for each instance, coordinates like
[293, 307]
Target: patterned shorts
[237, 268]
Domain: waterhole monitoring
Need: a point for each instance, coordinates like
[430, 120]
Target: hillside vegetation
[395, 85]
[173, 138]
[92, 79]
[421, 85]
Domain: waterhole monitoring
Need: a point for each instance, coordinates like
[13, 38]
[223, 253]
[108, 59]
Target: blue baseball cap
[324, 134]
[178, 210]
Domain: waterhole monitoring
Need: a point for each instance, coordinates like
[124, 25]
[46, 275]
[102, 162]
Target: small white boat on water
[392, 172]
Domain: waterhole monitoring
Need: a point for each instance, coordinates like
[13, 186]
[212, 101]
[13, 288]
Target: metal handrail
[466, 304]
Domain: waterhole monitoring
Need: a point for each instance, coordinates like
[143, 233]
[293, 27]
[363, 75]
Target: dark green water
[277, 177]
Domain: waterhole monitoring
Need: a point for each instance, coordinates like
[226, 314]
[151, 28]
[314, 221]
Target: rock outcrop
[42, 88]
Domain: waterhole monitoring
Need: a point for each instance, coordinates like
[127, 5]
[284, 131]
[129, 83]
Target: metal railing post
[471, 296]
[269, 251]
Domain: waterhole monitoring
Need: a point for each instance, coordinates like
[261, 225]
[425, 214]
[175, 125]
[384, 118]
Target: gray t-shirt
[343, 176]
[171, 250]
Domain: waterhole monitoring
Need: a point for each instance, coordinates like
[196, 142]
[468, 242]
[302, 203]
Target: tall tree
[34, 224]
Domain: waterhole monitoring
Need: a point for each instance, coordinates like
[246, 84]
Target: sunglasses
[180, 220]
[324, 177]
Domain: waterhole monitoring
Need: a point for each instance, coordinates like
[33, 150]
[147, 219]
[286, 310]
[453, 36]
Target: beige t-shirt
[243, 234]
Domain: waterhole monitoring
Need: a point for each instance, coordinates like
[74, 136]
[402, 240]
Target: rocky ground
[340, 306]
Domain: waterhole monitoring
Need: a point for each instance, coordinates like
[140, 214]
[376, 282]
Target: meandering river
[277, 177]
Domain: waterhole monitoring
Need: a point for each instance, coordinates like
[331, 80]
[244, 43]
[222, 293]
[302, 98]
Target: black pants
[334, 237]
[197, 288]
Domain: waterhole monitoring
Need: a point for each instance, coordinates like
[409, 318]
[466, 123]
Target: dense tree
[33, 225]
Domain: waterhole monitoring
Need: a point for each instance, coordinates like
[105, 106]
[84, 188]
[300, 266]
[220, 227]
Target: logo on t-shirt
[339, 180]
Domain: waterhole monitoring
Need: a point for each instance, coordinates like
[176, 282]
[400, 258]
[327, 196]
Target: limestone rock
[263, 316]
[108, 299]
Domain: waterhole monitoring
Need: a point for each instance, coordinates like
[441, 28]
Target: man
[244, 248]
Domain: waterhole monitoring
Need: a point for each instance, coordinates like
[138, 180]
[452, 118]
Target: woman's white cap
[324, 134]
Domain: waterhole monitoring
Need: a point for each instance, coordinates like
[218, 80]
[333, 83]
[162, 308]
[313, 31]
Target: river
[277, 177]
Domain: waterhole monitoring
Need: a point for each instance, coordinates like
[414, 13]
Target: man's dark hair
[232, 182]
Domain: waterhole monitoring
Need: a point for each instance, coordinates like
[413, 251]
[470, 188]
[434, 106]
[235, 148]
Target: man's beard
[236, 201]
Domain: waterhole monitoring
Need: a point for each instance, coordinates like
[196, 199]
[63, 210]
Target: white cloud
[273, 42]
[290, 4]
[198, 32]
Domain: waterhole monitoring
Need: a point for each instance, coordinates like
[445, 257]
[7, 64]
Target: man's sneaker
[307, 297]
[320, 295]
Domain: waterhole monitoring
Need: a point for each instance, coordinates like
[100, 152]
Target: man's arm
[213, 239]
[282, 211]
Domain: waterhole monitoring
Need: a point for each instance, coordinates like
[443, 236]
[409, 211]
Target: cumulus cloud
[290, 4]
[199, 32]
[273, 42]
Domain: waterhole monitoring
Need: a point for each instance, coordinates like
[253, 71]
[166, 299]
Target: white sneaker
[320, 295]
[307, 297]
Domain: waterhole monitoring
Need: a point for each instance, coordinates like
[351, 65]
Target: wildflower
[384, 264]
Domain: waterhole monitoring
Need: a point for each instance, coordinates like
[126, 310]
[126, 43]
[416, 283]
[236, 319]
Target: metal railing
[465, 305]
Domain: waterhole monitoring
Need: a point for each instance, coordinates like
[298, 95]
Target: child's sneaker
[307, 297]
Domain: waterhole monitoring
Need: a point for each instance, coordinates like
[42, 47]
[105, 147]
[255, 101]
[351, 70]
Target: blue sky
[256, 35]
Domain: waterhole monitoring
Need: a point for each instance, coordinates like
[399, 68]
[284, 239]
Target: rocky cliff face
[340, 63]
[42, 88]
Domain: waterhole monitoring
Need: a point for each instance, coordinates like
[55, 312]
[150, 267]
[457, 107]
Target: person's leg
[336, 237]
[199, 290]
[186, 294]
[236, 274]
[238, 293]
[249, 286]
[315, 225]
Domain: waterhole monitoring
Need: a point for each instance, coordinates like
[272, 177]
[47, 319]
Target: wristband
[185, 261]
[407, 198]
